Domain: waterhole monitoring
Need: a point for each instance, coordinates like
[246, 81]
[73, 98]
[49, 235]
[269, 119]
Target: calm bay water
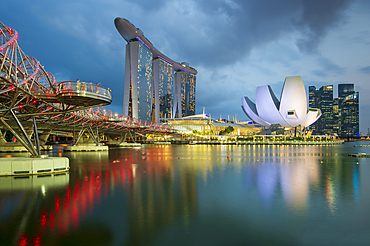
[194, 195]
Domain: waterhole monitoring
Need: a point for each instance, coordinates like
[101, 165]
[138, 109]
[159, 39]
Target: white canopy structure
[290, 111]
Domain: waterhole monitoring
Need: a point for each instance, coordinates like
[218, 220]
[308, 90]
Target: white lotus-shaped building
[291, 111]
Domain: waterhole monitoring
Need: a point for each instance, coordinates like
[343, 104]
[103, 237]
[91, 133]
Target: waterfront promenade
[249, 142]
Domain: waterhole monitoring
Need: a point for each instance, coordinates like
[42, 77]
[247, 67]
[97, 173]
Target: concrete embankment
[14, 166]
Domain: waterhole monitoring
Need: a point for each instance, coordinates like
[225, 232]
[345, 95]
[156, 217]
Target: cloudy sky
[236, 45]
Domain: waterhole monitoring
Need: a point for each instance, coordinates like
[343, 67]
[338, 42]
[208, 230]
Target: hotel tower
[155, 86]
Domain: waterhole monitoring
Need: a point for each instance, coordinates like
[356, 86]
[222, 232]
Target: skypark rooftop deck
[129, 32]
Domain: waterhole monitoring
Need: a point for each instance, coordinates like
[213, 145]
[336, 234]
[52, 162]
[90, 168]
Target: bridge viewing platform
[78, 93]
[84, 94]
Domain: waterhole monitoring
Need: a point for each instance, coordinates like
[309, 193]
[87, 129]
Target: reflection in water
[135, 196]
[356, 182]
[299, 177]
[295, 182]
[330, 192]
[294, 176]
[267, 178]
[24, 195]
[81, 158]
[15, 183]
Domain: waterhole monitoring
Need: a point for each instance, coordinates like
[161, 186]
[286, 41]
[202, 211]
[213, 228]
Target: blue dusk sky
[236, 45]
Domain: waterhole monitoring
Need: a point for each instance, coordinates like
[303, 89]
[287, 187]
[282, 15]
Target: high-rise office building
[313, 102]
[340, 115]
[345, 90]
[151, 89]
[323, 100]
[312, 97]
[349, 116]
[336, 115]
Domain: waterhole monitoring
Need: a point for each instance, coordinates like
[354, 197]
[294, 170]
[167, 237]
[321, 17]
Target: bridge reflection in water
[159, 194]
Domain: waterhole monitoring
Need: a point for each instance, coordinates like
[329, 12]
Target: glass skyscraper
[345, 90]
[336, 115]
[323, 100]
[144, 83]
[312, 98]
[349, 116]
[339, 115]
[313, 101]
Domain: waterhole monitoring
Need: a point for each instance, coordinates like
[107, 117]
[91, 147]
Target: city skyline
[340, 115]
[236, 46]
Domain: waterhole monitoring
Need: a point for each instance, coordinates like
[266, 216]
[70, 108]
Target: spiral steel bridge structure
[31, 100]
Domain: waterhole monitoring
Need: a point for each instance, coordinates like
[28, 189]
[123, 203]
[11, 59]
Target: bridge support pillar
[121, 141]
[133, 138]
[43, 138]
[34, 149]
[94, 137]
[2, 138]
[88, 145]
[37, 164]
[123, 138]
[81, 132]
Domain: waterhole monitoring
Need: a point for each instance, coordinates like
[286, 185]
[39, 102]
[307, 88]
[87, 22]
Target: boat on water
[359, 155]
[162, 143]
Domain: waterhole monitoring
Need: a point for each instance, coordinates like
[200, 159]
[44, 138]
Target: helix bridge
[31, 100]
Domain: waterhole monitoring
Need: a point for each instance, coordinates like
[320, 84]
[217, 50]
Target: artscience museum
[291, 111]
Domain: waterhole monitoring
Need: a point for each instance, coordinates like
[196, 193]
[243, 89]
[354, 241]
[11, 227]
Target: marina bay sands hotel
[155, 86]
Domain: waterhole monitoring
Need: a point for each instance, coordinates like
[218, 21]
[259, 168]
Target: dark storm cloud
[228, 30]
[203, 32]
[365, 69]
[150, 5]
[317, 18]
[327, 68]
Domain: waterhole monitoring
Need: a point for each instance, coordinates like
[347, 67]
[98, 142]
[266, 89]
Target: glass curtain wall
[144, 83]
[187, 94]
[165, 89]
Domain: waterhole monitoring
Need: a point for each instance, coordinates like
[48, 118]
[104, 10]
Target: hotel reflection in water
[158, 192]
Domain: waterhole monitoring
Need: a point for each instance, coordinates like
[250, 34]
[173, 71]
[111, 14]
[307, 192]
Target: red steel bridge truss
[31, 100]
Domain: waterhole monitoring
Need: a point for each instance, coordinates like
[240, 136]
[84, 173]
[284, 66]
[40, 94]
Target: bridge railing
[79, 86]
